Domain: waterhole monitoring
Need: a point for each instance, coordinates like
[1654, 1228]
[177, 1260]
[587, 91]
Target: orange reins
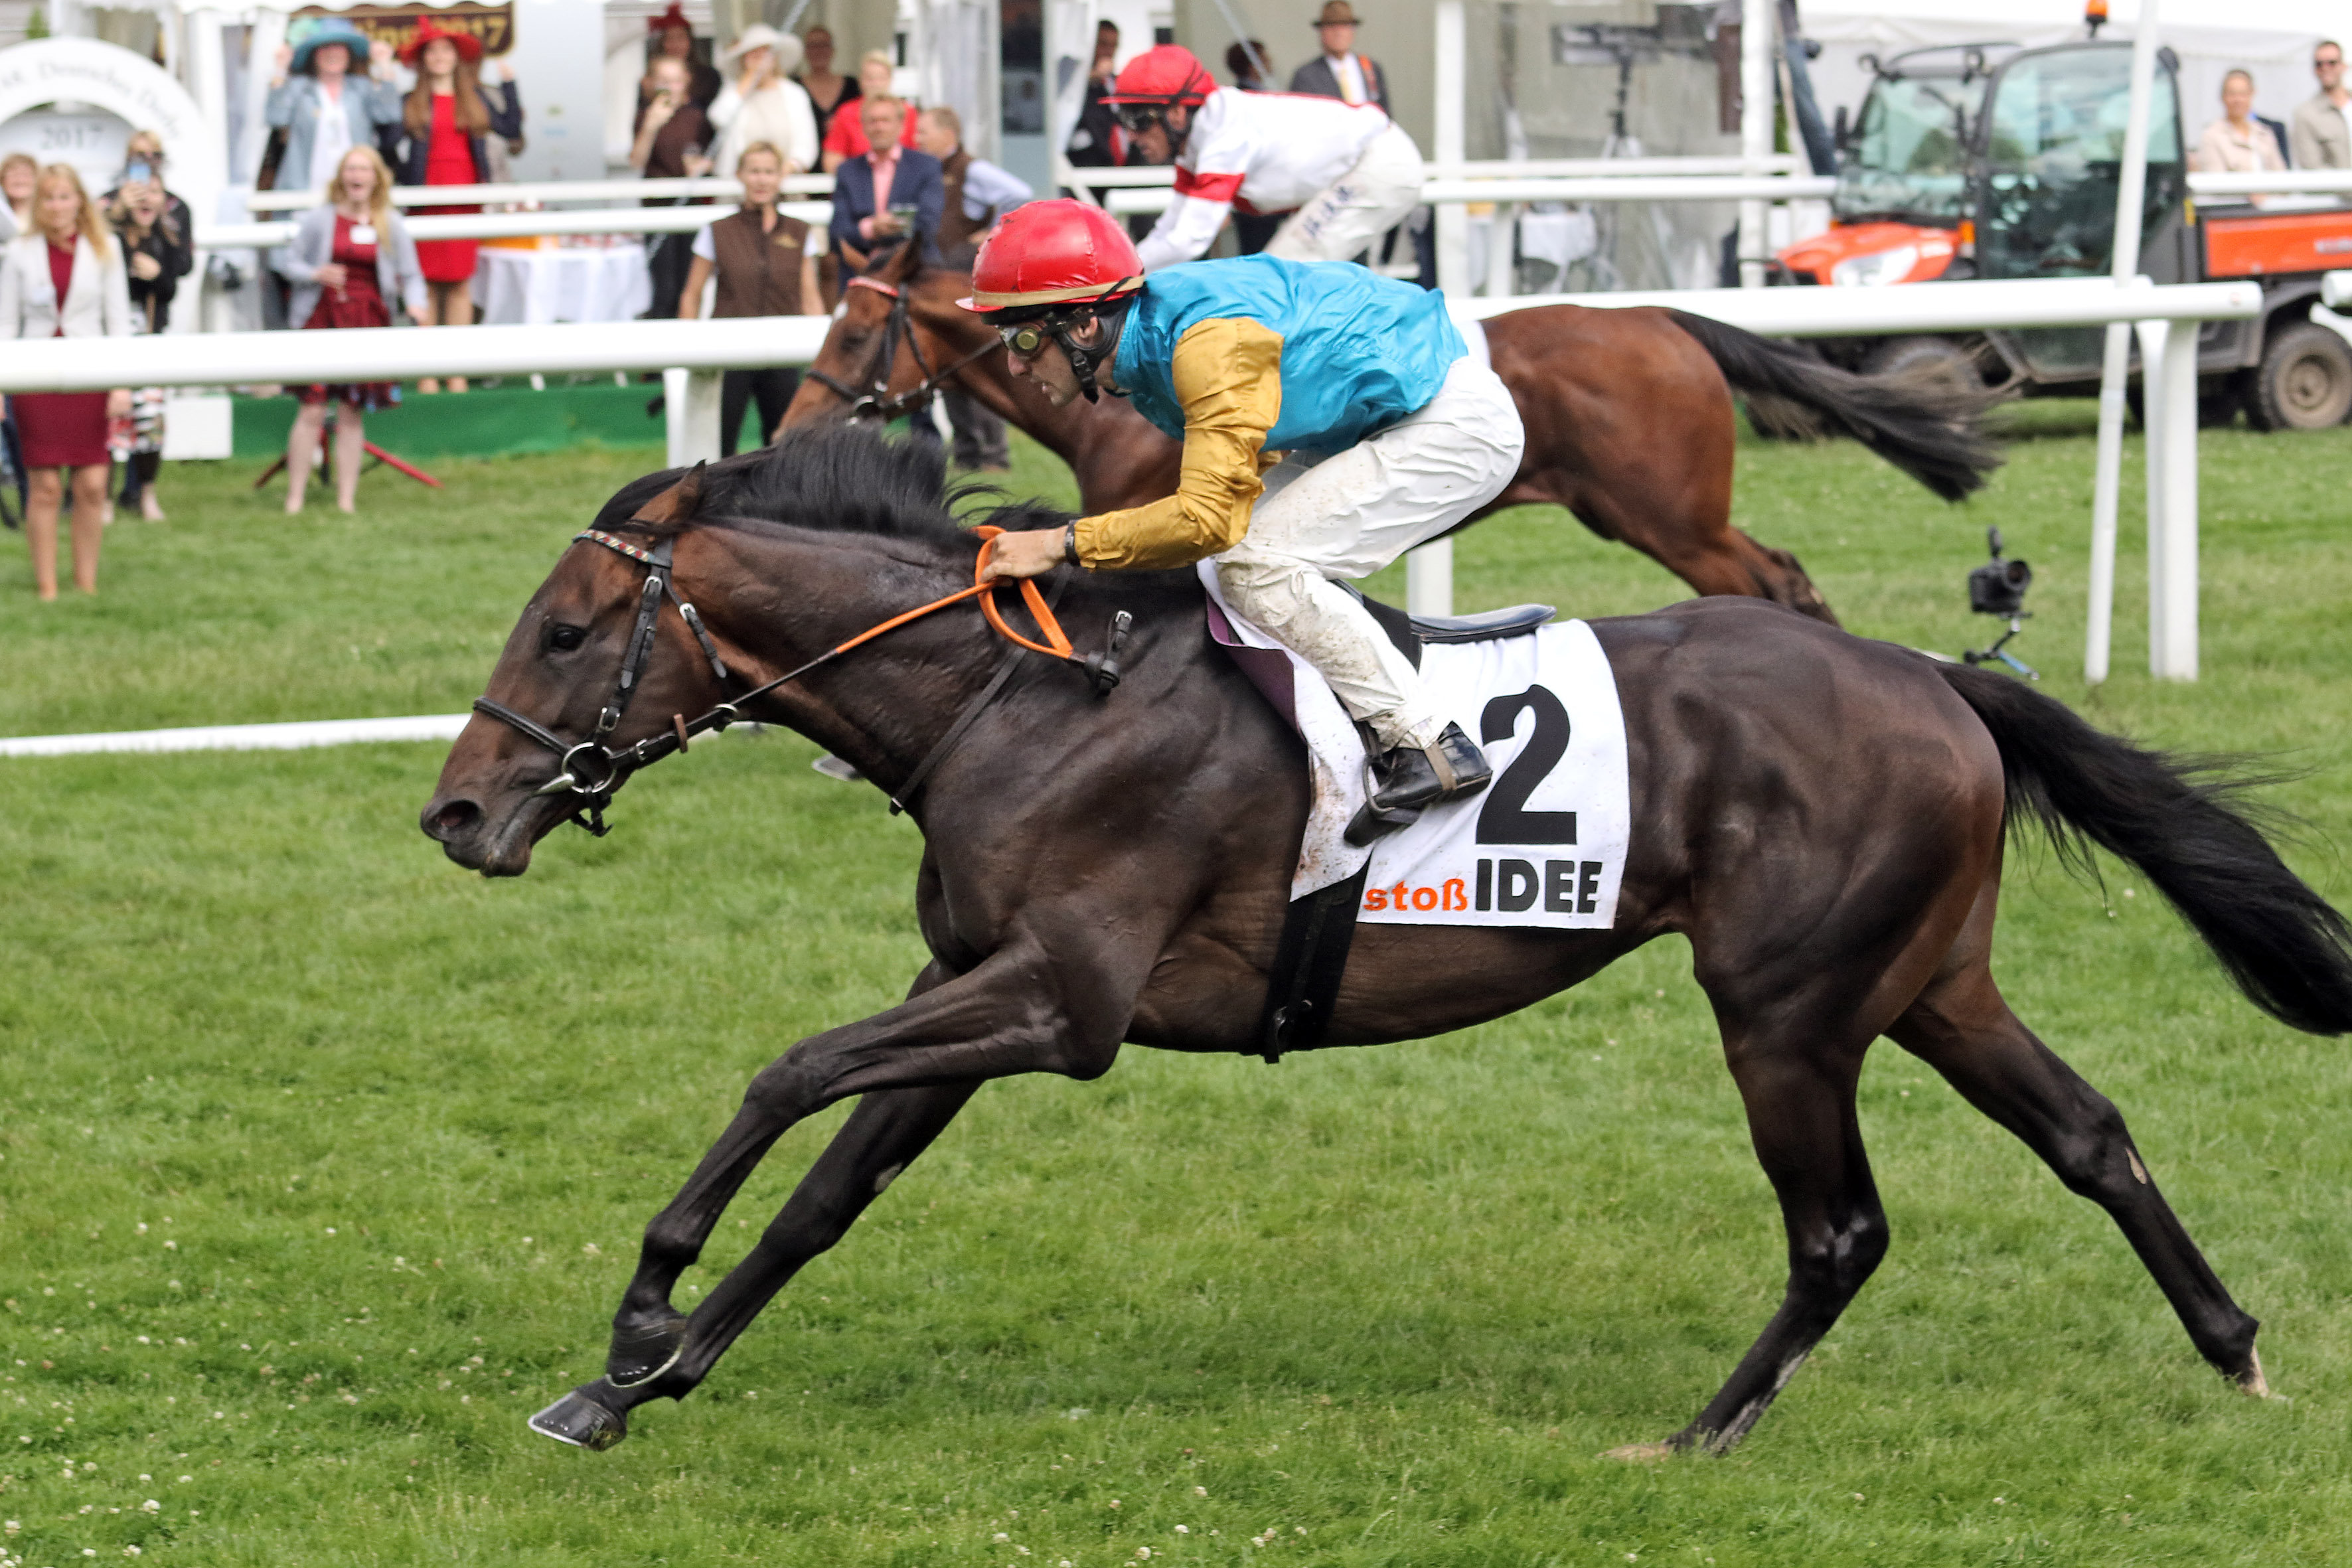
[1056, 643]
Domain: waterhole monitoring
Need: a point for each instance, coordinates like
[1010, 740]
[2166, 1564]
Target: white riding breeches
[1348, 216]
[1351, 513]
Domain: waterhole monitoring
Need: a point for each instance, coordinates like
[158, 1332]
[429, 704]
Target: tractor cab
[1904, 193]
[1988, 161]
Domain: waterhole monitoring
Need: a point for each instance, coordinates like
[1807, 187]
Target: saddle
[1318, 929]
[1411, 633]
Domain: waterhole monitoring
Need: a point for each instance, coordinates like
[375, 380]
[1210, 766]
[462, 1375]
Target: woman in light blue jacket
[324, 107]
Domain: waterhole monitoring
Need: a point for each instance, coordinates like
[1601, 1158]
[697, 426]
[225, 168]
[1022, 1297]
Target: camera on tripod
[1998, 588]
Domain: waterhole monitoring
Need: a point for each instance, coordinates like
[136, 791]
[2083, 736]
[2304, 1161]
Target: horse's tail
[1925, 423]
[2286, 947]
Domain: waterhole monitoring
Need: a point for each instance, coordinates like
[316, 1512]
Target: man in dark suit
[890, 195]
[1340, 71]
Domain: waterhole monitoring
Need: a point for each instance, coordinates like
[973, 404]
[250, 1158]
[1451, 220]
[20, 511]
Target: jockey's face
[1049, 369]
[1157, 142]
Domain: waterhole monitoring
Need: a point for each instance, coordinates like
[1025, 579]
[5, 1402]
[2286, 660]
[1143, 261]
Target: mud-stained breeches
[1346, 516]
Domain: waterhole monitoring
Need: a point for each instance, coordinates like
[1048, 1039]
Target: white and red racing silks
[1263, 152]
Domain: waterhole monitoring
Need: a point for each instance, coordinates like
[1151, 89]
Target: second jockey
[1333, 419]
[1350, 172]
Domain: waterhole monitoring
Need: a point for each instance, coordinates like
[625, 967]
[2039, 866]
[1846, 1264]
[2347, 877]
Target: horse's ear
[902, 262]
[676, 504]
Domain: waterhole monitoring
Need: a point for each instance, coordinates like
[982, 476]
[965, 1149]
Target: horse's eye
[567, 637]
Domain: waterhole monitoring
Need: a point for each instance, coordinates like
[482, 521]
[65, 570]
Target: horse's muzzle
[466, 835]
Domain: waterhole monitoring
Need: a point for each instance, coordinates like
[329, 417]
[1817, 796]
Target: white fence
[516, 226]
[693, 354]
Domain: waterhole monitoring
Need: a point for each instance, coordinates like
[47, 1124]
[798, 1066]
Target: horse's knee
[2095, 1157]
[1833, 1262]
[786, 1089]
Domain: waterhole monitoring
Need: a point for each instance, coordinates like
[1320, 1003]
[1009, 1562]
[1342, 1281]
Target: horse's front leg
[882, 1138]
[1017, 1012]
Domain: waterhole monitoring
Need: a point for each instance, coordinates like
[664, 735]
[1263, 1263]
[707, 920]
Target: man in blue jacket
[888, 196]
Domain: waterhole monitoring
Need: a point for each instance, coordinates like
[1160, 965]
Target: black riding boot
[1409, 780]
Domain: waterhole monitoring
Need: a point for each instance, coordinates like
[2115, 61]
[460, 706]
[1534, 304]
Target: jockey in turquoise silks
[1333, 419]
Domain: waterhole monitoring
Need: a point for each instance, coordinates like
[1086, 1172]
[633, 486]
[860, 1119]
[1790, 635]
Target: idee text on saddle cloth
[1545, 844]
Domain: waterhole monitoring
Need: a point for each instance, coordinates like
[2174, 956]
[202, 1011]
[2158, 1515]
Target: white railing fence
[693, 355]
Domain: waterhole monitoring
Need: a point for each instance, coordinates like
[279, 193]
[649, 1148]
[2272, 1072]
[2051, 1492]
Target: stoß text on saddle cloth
[1545, 844]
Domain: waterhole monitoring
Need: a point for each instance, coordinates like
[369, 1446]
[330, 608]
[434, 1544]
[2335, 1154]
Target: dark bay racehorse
[1821, 816]
[1628, 414]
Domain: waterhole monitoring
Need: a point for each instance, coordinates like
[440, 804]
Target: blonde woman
[350, 261]
[765, 265]
[2237, 144]
[65, 279]
[157, 237]
[18, 172]
[763, 103]
[845, 138]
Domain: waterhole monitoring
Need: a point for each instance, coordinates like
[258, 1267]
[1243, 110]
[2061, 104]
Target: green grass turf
[323, 1162]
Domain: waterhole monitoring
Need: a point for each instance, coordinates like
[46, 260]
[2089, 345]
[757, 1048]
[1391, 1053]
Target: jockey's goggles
[1135, 119]
[1027, 339]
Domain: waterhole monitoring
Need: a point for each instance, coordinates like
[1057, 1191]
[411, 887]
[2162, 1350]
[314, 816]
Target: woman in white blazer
[65, 279]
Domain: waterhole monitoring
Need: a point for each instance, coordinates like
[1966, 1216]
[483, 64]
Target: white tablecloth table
[565, 284]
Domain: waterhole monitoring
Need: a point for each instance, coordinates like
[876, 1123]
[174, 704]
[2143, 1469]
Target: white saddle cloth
[1543, 846]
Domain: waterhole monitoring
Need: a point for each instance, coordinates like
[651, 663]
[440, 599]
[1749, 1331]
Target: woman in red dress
[348, 261]
[447, 117]
[65, 279]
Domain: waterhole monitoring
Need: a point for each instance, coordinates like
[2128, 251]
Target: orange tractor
[1990, 160]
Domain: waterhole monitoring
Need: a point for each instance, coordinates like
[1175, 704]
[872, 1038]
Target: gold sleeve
[1228, 379]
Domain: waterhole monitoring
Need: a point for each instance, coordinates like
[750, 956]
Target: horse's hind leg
[1962, 1028]
[1800, 1117]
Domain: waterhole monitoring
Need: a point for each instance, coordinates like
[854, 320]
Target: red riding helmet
[1167, 74]
[1053, 253]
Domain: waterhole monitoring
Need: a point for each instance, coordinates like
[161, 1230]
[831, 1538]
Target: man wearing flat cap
[1340, 71]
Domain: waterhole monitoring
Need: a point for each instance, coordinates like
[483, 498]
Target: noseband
[591, 770]
[591, 773]
[876, 402]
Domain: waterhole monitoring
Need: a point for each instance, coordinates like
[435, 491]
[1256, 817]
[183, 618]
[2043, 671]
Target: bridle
[876, 402]
[592, 773]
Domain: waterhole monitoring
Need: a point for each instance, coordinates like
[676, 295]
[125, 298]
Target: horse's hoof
[1643, 1453]
[581, 1422]
[2252, 1380]
[639, 1355]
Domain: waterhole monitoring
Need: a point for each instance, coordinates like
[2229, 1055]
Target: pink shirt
[885, 170]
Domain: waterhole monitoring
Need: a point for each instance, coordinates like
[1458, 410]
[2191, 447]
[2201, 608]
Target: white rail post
[2106, 490]
[2169, 390]
[690, 410]
[1429, 570]
[1757, 78]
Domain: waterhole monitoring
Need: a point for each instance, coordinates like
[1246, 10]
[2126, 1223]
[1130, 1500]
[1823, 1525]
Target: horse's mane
[835, 478]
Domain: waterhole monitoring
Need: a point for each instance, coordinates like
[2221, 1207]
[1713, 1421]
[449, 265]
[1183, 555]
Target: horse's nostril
[454, 816]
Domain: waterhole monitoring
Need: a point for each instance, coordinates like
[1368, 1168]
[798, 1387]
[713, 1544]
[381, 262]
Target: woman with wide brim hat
[446, 122]
[763, 103]
[325, 99]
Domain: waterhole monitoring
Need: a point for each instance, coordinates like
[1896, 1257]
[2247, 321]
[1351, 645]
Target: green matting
[484, 422]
